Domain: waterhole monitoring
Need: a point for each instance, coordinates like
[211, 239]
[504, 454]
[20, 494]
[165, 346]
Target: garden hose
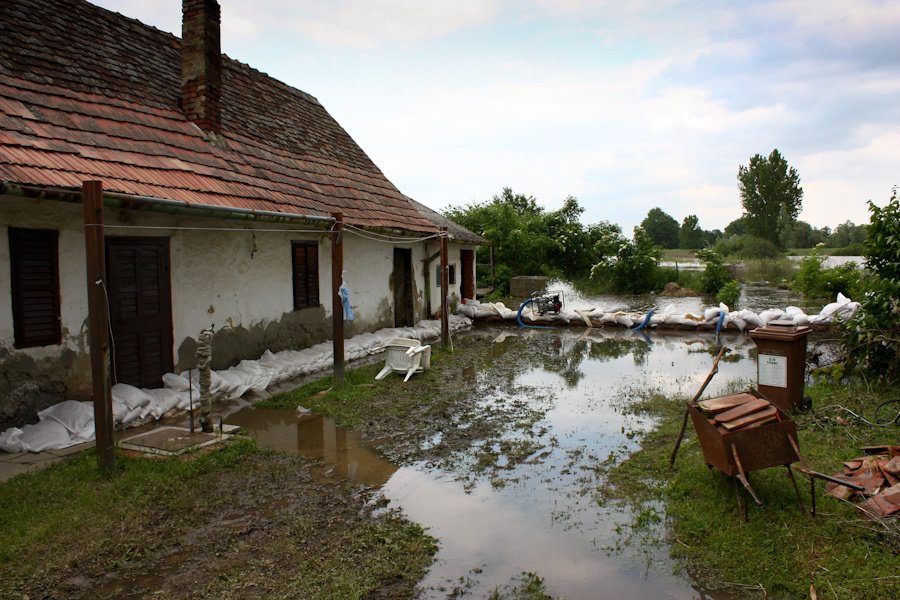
[895, 420]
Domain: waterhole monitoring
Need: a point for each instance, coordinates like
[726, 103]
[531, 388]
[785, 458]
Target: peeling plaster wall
[219, 275]
[453, 259]
[32, 379]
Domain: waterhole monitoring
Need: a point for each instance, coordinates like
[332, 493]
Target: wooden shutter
[34, 258]
[305, 263]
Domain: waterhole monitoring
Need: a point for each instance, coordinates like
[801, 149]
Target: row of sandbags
[71, 422]
[722, 316]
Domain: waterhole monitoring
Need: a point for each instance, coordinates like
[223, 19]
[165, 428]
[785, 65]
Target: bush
[730, 294]
[814, 281]
[746, 247]
[872, 338]
[851, 250]
[634, 268]
[716, 275]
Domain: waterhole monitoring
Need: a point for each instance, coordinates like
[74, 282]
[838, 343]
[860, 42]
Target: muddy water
[539, 516]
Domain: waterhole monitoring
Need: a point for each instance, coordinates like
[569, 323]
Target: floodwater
[541, 516]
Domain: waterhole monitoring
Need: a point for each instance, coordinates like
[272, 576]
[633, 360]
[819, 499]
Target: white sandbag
[469, 310]
[76, 417]
[164, 400]
[232, 383]
[734, 317]
[690, 319]
[120, 410]
[43, 435]
[133, 415]
[176, 382]
[711, 314]
[796, 315]
[624, 319]
[11, 440]
[770, 315]
[130, 395]
[671, 317]
[751, 318]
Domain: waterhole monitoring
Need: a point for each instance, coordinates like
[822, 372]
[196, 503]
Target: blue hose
[644, 324]
[519, 316]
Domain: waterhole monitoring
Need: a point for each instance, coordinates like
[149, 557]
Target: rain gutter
[162, 205]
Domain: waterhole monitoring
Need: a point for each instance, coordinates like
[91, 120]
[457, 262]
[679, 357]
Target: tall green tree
[530, 241]
[771, 196]
[513, 222]
[691, 235]
[661, 227]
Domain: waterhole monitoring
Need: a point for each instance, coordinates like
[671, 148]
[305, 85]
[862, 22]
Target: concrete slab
[9, 470]
[71, 450]
[27, 458]
[172, 441]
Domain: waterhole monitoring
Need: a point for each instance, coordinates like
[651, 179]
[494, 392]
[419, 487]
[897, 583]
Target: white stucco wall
[453, 259]
[69, 221]
[219, 275]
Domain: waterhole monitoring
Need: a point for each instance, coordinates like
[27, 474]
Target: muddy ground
[270, 525]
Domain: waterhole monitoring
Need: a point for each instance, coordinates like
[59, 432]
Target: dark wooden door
[467, 273]
[140, 308]
[403, 288]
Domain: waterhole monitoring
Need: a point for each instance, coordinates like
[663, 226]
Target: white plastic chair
[405, 355]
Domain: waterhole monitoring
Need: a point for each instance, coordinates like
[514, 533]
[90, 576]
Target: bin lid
[780, 330]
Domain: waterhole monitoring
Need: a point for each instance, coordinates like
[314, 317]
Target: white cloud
[369, 23]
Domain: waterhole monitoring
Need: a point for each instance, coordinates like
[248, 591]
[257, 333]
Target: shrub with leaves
[872, 338]
[633, 267]
[730, 294]
[715, 275]
[814, 281]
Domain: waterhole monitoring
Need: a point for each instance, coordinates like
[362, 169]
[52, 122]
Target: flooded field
[498, 518]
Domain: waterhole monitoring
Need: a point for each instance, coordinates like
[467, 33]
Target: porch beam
[337, 308]
[98, 331]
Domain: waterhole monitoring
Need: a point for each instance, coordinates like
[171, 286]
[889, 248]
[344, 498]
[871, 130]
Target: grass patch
[345, 403]
[233, 523]
[781, 551]
[774, 270]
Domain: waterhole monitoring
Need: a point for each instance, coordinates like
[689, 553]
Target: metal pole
[337, 309]
[98, 332]
[445, 289]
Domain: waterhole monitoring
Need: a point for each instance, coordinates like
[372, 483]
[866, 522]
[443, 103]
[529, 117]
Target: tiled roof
[456, 231]
[86, 93]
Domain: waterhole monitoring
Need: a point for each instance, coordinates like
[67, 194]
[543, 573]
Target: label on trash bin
[772, 370]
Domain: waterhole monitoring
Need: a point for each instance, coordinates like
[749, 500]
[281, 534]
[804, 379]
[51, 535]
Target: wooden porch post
[445, 288]
[98, 329]
[337, 308]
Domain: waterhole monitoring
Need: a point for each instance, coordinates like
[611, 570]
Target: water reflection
[754, 297]
[542, 517]
[318, 438]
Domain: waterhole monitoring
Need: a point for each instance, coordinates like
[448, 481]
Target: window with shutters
[451, 275]
[305, 263]
[34, 259]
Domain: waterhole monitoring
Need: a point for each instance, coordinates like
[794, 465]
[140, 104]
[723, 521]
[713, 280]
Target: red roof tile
[112, 112]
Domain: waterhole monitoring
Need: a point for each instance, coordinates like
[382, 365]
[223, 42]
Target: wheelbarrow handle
[844, 482]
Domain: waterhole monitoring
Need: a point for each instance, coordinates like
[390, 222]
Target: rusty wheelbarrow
[738, 452]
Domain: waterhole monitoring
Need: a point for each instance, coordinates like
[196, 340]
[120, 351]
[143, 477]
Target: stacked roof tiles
[86, 93]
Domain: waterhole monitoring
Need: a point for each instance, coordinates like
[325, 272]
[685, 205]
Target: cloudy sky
[624, 104]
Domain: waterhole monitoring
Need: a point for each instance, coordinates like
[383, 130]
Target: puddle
[537, 515]
[318, 438]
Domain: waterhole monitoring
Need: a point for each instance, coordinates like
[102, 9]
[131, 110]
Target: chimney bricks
[201, 64]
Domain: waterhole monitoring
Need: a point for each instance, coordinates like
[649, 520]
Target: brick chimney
[201, 64]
